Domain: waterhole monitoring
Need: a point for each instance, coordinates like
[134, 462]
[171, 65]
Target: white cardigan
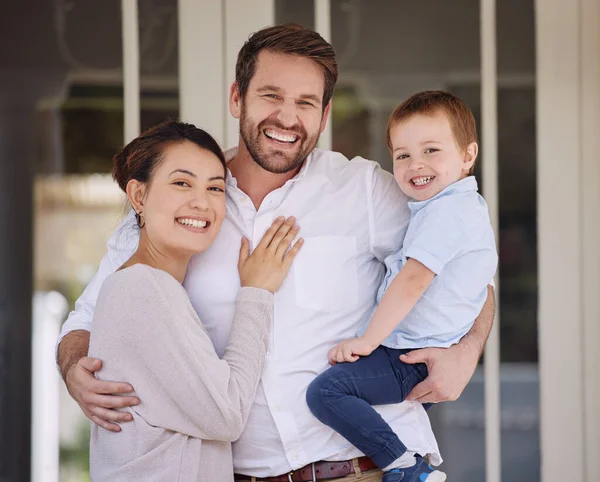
[192, 404]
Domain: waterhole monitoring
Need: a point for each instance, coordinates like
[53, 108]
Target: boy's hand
[350, 350]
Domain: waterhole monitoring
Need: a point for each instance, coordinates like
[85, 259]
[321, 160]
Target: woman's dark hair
[139, 159]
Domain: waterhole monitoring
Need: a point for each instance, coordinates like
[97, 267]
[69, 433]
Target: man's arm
[73, 347]
[450, 369]
[95, 397]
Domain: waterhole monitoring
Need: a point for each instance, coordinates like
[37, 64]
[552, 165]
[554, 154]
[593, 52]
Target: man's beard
[278, 161]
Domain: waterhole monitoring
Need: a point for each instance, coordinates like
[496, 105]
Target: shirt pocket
[325, 273]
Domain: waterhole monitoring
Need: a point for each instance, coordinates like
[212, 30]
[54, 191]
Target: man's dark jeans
[342, 398]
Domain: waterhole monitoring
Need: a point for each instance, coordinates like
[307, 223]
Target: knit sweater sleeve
[169, 359]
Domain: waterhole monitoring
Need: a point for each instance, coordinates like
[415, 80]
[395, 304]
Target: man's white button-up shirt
[352, 215]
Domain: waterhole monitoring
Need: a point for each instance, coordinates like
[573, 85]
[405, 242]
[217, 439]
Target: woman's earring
[139, 218]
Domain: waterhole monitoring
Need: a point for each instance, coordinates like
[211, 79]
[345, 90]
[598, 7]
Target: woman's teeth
[280, 137]
[195, 223]
[421, 181]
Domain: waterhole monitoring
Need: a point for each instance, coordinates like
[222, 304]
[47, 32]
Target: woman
[193, 404]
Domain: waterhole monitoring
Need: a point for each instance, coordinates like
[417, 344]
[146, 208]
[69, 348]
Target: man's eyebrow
[312, 97]
[270, 88]
[183, 171]
[216, 178]
[273, 88]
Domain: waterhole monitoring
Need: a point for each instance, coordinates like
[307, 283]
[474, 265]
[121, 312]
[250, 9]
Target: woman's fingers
[288, 258]
[281, 233]
[244, 252]
[286, 241]
[270, 233]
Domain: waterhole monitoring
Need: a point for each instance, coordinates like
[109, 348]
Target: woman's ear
[136, 192]
[470, 156]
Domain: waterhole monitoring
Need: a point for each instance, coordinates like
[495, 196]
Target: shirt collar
[467, 184]
[232, 151]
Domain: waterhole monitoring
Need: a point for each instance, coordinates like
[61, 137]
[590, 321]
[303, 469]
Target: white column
[131, 69]
[241, 19]
[323, 26]
[201, 69]
[49, 310]
[590, 137]
[489, 166]
[560, 224]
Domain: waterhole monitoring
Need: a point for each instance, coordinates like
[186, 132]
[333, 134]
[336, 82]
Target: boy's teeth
[280, 137]
[195, 223]
[420, 181]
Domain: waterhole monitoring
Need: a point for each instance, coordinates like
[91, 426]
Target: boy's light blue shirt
[451, 235]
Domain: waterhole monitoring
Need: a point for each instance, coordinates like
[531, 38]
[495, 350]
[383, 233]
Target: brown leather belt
[316, 471]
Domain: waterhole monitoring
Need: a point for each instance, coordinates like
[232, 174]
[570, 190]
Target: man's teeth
[280, 137]
[195, 223]
[421, 181]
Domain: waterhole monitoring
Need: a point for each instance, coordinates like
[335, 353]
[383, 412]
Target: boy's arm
[400, 297]
[450, 369]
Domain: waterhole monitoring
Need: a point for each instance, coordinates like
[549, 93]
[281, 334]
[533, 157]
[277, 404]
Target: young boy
[434, 288]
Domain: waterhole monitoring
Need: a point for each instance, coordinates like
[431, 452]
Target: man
[351, 215]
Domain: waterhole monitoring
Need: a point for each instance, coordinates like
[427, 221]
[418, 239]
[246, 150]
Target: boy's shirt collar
[467, 184]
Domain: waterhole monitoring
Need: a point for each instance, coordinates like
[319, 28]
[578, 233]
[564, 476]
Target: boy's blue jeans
[342, 396]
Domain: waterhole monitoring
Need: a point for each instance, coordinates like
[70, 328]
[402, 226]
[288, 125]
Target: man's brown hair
[430, 102]
[291, 39]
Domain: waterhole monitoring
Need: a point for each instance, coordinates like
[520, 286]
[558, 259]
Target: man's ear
[325, 117]
[136, 192]
[470, 156]
[235, 101]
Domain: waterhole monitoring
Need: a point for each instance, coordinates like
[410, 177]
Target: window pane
[294, 11]
[518, 240]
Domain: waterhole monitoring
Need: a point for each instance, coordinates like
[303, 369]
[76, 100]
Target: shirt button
[277, 408]
[295, 457]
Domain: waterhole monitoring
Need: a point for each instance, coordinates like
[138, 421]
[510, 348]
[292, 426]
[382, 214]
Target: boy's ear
[470, 156]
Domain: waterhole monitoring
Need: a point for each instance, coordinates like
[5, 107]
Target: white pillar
[568, 91]
[49, 310]
[323, 26]
[489, 167]
[201, 69]
[590, 138]
[131, 69]
[241, 19]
